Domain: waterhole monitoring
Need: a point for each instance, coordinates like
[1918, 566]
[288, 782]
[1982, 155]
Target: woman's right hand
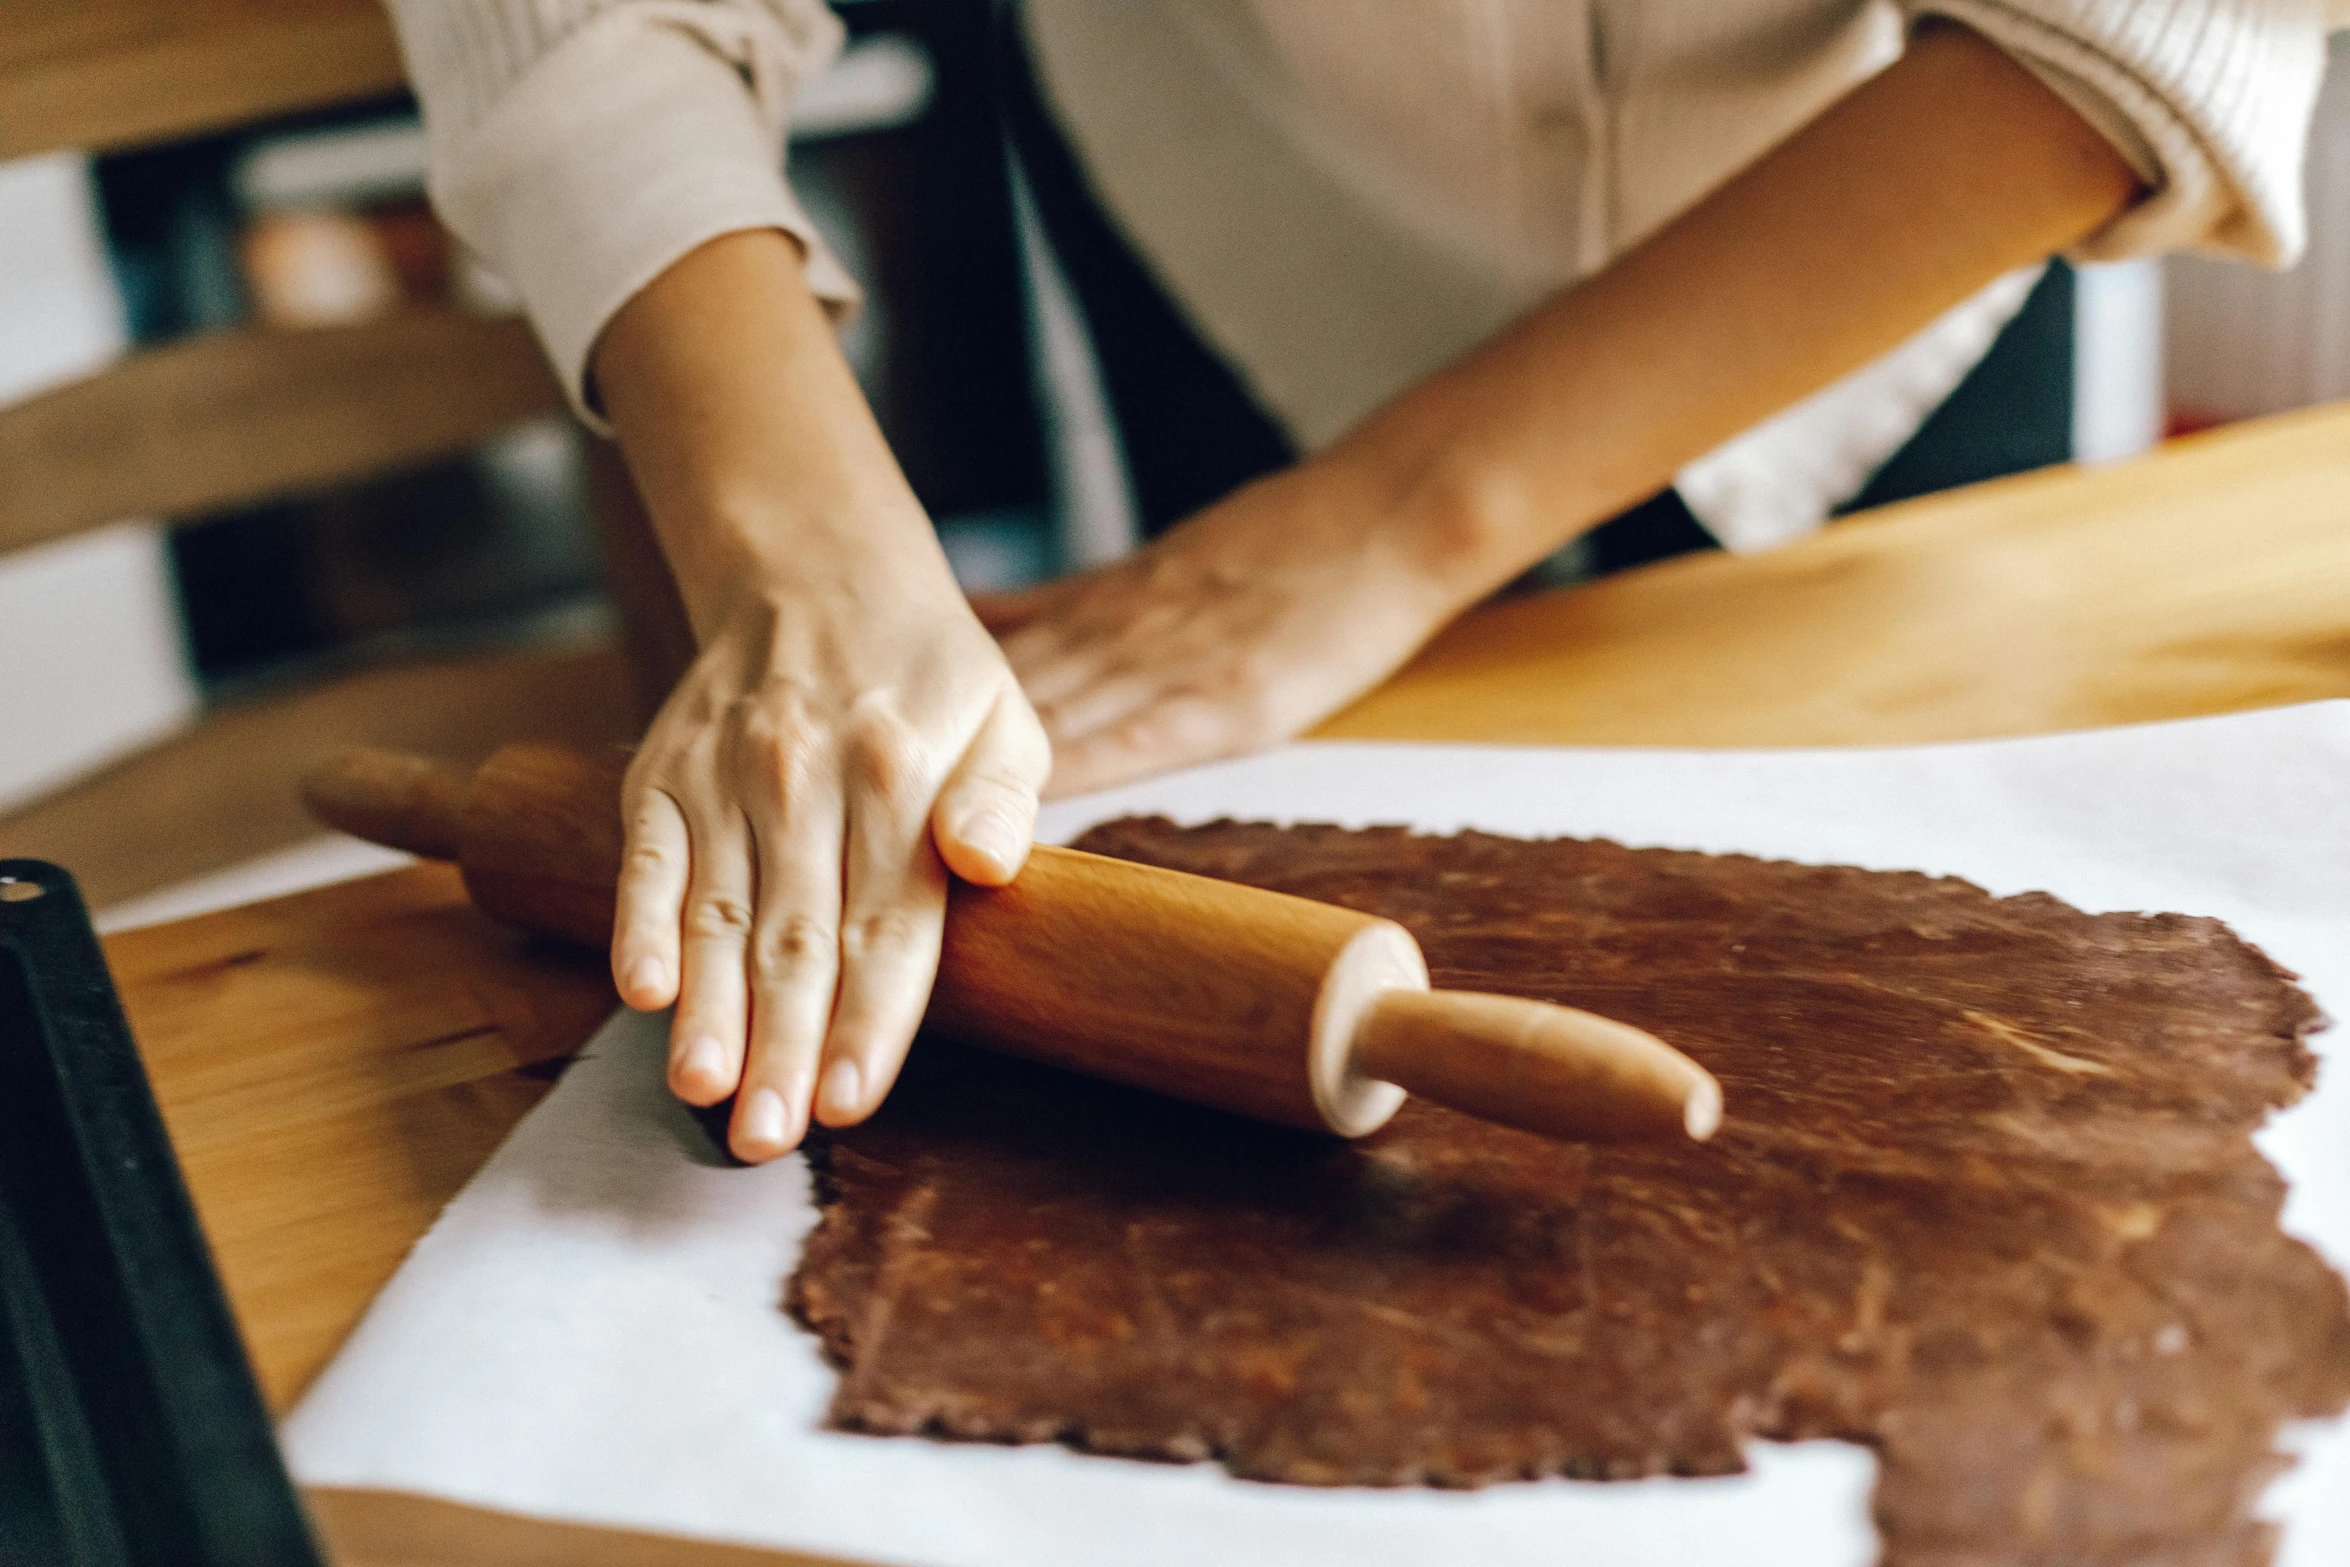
[848, 735]
[792, 817]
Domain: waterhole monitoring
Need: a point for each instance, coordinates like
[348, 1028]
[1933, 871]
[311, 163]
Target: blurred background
[243, 228]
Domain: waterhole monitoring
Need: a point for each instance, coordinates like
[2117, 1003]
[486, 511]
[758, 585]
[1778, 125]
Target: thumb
[985, 818]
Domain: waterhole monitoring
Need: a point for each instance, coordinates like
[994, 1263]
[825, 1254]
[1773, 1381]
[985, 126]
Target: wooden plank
[2211, 577]
[2208, 578]
[225, 790]
[234, 417]
[107, 74]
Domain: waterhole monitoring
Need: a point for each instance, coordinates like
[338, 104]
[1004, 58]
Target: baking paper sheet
[593, 1330]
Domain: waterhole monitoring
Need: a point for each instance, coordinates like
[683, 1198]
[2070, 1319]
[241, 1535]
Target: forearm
[1953, 166]
[847, 734]
[749, 438]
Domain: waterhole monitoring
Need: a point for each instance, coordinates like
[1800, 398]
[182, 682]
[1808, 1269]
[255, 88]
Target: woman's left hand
[1238, 628]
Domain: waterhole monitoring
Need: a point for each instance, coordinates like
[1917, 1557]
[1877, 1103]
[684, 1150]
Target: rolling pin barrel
[1216, 993]
[1252, 1001]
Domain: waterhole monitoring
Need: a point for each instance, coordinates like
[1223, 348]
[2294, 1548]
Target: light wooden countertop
[335, 1065]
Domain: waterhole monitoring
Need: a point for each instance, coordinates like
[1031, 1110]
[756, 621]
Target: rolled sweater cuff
[626, 146]
[2209, 99]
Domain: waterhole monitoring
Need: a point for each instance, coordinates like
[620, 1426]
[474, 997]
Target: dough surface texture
[1985, 1200]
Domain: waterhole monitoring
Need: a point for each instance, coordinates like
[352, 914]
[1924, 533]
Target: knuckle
[885, 756]
[995, 786]
[781, 701]
[718, 919]
[647, 862]
[784, 758]
[790, 944]
[996, 778]
[1142, 732]
[773, 712]
[882, 932]
[650, 772]
[1051, 718]
[1229, 676]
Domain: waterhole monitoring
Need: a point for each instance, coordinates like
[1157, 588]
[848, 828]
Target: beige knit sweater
[1345, 194]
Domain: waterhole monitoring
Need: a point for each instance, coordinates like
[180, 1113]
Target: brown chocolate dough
[1985, 1201]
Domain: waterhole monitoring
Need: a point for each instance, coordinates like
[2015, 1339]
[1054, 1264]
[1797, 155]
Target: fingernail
[993, 837]
[844, 1087]
[645, 977]
[763, 1120]
[705, 1061]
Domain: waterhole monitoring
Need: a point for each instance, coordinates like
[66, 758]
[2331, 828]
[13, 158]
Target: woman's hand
[1242, 626]
[1274, 607]
[848, 735]
[792, 816]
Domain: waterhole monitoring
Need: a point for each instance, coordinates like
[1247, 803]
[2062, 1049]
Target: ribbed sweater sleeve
[581, 146]
[2211, 100]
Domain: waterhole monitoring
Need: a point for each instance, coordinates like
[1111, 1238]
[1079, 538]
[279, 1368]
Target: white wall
[91, 656]
[2118, 398]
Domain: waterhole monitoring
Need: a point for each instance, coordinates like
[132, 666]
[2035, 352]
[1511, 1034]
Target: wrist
[1446, 511]
[727, 558]
[763, 470]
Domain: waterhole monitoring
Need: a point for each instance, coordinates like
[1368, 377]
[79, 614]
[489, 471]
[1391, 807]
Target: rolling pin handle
[1541, 1068]
[388, 797]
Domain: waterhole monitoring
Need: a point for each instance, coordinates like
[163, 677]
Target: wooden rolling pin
[1251, 1001]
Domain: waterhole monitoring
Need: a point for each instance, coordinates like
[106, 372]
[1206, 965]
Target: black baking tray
[131, 1430]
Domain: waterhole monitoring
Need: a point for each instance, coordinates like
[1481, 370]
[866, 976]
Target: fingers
[1065, 659]
[786, 869]
[1179, 731]
[894, 914]
[1100, 702]
[653, 870]
[1005, 613]
[788, 780]
[713, 1002]
[901, 842]
[1057, 677]
[985, 818]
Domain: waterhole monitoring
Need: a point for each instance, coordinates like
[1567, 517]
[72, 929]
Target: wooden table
[334, 1066]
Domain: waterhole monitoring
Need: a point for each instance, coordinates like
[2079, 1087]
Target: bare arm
[1951, 167]
[848, 733]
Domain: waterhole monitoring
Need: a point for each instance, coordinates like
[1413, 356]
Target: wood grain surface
[393, 1529]
[2210, 577]
[104, 74]
[333, 1066]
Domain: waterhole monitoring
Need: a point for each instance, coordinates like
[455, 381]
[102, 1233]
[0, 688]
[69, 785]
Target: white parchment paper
[593, 1330]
